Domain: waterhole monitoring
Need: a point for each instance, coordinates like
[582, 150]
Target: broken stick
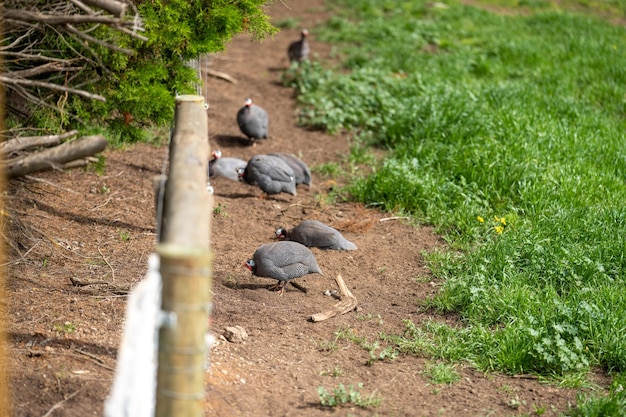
[348, 303]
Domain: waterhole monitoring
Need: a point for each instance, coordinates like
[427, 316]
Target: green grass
[506, 132]
[441, 373]
[342, 395]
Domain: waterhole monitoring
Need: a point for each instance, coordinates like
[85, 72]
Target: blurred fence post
[186, 266]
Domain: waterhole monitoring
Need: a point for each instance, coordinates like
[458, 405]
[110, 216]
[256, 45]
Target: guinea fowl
[314, 233]
[298, 51]
[224, 166]
[270, 173]
[300, 169]
[282, 261]
[252, 121]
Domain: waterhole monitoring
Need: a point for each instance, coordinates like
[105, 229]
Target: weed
[124, 235]
[350, 395]
[441, 373]
[220, 210]
[98, 166]
[370, 317]
[335, 373]
[328, 170]
[289, 23]
[65, 328]
[328, 345]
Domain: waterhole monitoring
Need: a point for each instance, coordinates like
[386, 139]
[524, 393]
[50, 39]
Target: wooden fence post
[186, 266]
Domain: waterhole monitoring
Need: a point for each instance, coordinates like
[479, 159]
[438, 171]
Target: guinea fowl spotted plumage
[270, 173]
[298, 51]
[317, 234]
[300, 169]
[282, 261]
[224, 166]
[252, 121]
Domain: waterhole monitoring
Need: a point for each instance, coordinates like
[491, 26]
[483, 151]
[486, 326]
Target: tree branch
[27, 142]
[75, 31]
[55, 157]
[26, 16]
[51, 86]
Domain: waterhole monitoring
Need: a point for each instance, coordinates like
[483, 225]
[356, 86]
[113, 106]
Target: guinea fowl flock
[276, 173]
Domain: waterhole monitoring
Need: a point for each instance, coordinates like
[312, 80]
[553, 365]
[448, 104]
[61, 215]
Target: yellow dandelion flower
[499, 229]
[480, 219]
[503, 221]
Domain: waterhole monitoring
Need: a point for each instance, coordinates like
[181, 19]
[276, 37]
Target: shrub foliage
[139, 87]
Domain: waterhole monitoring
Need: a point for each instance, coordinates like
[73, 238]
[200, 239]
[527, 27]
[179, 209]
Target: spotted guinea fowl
[252, 121]
[225, 166]
[314, 233]
[270, 173]
[282, 261]
[298, 51]
[300, 169]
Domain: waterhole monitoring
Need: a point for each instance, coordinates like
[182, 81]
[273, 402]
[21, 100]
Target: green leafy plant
[441, 373]
[343, 395]
[65, 328]
[335, 373]
[220, 210]
[124, 235]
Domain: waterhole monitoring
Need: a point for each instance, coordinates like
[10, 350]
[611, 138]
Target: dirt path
[63, 339]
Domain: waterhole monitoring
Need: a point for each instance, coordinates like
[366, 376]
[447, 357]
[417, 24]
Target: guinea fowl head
[281, 232]
[217, 154]
[240, 172]
[250, 265]
[248, 102]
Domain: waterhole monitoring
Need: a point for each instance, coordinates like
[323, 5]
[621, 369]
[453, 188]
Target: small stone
[235, 334]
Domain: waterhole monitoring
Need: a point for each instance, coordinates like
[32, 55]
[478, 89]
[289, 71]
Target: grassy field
[505, 129]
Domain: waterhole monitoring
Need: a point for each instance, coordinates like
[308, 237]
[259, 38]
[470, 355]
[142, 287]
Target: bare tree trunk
[54, 158]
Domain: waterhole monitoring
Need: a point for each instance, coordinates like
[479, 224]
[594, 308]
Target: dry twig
[60, 403]
[347, 304]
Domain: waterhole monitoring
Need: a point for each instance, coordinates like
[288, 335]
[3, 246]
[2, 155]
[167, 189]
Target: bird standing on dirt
[225, 167]
[298, 51]
[270, 173]
[282, 261]
[315, 233]
[252, 121]
[300, 169]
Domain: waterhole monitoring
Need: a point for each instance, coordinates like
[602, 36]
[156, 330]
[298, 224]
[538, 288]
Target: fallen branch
[54, 158]
[394, 218]
[106, 286]
[80, 163]
[28, 142]
[347, 304]
[221, 75]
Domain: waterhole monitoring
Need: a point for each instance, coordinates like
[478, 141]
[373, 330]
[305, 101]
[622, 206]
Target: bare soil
[85, 226]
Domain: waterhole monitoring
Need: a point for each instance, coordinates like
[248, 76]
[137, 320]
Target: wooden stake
[185, 266]
[186, 277]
